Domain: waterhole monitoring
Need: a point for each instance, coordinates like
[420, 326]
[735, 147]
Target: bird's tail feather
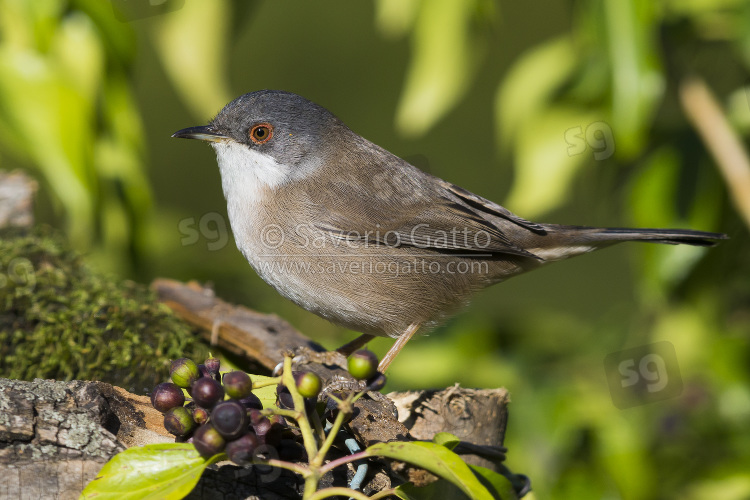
[561, 242]
[668, 236]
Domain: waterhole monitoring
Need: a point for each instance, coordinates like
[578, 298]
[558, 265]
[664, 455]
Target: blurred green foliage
[67, 109]
[580, 98]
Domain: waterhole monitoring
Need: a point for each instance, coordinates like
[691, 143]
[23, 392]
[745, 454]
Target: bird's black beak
[202, 133]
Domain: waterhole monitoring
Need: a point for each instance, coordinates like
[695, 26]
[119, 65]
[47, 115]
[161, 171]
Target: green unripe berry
[179, 421]
[363, 364]
[237, 385]
[308, 385]
[200, 415]
[184, 372]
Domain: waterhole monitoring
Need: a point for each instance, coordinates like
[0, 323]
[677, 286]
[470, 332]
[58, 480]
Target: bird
[357, 235]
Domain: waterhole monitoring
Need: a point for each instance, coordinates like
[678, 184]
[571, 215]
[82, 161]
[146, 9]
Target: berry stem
[282, 413]
[311, 484]
[321, 455]
[308, 437]
[343, 460]
[265, 383]
[357, 396]
[299, 469]
[318, 427]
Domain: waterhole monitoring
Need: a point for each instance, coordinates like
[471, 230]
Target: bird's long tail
[562, 242]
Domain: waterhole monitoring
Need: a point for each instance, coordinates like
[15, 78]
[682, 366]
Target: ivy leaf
[446, 439]
[439, 490]
[155, 471]
[497, 484]
[267, 394]
[437, 459]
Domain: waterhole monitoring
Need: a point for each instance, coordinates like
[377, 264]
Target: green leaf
[394, 18]
[154, 471]
[447, 49]
[550, 150]
[439, 490]
[446, 439]
[496, 483]
[267, 394]
[531, 83]
[192, 47]
[637, 79]
[436, 459]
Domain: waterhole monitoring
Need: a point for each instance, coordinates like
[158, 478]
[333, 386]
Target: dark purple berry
[230, 419]
[273, 435]
[255, 416]
[167, 396]
[212, 365]
[251, 402]
[240, 451]
[237, 384]
[204, 371]
[363, 364]
[284, 397]
[308, 385]
[208, 441]
[207, 392]
[179, 421]
[261, 426]
[376, 383]
[184, 372]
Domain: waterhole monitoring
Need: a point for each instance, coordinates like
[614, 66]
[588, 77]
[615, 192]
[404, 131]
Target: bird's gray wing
[448, 220]
[490, 207]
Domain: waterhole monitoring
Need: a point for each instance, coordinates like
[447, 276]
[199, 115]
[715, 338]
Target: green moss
[61, 320]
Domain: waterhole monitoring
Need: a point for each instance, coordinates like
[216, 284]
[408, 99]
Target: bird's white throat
[247, 176]
[246, 173]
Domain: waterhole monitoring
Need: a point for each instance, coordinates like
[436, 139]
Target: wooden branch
[476, 416]
[237, 329]
[52, 441]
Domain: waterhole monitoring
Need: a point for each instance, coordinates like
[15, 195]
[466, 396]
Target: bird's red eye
[261, 133]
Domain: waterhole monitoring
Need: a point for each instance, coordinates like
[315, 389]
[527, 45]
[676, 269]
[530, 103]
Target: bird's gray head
[266, 138]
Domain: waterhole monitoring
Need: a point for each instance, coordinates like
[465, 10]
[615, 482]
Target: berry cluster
[225, 416]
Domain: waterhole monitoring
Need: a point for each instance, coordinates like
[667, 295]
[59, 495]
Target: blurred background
[584, 112]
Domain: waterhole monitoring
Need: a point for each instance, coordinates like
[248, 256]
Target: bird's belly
[377, 290]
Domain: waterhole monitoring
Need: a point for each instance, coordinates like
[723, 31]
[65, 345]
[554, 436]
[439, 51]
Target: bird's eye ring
[261, 133]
